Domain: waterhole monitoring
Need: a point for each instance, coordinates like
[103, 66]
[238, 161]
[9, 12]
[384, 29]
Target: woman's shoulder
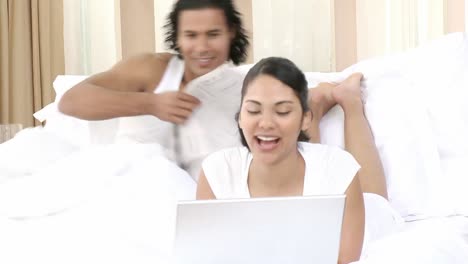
[318, 147]
[333, 168]
[228, 155]
[328, 152]
[223, 170]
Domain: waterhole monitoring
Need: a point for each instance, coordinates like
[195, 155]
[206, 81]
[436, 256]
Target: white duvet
[83, 208]
[62, 201]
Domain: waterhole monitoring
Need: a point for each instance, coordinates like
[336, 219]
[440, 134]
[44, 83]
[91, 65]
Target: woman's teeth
[262, 138]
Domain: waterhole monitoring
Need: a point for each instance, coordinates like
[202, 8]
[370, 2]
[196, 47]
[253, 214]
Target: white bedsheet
[129, 218]
[116, 204]
[66, 202]
[433, 240]
[99, 204]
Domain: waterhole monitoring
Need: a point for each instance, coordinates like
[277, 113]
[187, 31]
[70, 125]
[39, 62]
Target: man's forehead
[206, 15]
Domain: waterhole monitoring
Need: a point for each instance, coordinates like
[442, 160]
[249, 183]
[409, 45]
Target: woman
[276, 159]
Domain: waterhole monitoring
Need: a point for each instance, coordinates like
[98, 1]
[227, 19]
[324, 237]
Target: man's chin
[200, 72]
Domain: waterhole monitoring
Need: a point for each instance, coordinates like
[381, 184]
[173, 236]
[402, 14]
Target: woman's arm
[359, 140]
[204, 191]
[352, 233]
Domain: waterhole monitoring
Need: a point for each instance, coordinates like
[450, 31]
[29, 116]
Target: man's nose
[202, 44]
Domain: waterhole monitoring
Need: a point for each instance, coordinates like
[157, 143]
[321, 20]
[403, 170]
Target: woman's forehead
[267, 88]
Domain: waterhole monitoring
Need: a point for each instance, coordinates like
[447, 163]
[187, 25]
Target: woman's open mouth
[267, 142]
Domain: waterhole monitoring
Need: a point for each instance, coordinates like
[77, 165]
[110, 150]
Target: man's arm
[124, 90]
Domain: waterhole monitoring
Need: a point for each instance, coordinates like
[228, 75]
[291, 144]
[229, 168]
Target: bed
[62, 202]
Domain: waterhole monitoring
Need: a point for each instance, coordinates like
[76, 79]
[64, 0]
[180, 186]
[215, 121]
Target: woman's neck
[285, 178]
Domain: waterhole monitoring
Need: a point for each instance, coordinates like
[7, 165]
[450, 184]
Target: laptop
[282, 230]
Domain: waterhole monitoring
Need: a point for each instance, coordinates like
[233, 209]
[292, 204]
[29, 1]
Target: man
[205, 33]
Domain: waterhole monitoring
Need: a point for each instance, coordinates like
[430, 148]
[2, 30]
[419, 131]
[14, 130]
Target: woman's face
[271, 119]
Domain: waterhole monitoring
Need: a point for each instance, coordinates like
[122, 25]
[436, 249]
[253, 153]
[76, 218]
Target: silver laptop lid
[261, 230]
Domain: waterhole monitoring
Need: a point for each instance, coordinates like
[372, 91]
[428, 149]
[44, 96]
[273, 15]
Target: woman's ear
[238, 119]
[306, 120]
[240, 123]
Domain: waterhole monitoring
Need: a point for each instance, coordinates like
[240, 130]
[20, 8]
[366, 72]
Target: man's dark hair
[238, 48]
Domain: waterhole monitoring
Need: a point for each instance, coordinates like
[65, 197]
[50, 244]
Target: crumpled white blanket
[435, 240]
[61, 176]
[106, 204]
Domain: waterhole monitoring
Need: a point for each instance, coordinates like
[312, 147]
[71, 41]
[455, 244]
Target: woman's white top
[328, 170]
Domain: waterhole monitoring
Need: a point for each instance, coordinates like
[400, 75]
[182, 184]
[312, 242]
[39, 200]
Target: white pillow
[78, 131]
[31, 150]
[401, 130]
[437, 73]
[404, 140]
[439, 69]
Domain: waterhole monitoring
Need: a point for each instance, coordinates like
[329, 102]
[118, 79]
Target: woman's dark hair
[238, 49]
[286, 72]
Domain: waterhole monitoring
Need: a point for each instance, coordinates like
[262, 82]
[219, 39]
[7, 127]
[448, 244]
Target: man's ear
[232, 33]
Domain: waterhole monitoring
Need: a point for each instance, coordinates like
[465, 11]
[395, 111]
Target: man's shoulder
[152, 60]
[146, 68]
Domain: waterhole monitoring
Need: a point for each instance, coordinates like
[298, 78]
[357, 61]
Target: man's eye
[212, 35]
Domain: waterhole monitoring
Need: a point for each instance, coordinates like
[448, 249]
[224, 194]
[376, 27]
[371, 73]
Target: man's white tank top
[211, 127]
[148, 129]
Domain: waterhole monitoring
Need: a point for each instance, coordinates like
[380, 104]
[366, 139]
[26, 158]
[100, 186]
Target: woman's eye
[253, 112]
[283, 113]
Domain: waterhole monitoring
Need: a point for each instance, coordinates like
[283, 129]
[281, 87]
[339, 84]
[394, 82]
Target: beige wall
[455, 15]
[161, 10]
[245, 8]
[137, 27]
[345, 33]
[368, 28]
[298, 30]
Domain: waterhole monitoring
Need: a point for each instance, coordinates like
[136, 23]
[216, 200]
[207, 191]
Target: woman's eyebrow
[252, 101]
[284, 102]
[277, 103]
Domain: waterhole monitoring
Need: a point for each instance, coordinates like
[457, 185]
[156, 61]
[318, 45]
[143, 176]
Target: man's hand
[174, 107]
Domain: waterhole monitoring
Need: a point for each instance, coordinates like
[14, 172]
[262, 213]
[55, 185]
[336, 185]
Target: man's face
[204, 40]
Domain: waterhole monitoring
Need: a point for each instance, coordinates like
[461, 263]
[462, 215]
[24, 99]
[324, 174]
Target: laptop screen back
[260, 230]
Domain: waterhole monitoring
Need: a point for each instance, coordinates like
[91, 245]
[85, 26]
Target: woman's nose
[266, 121]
